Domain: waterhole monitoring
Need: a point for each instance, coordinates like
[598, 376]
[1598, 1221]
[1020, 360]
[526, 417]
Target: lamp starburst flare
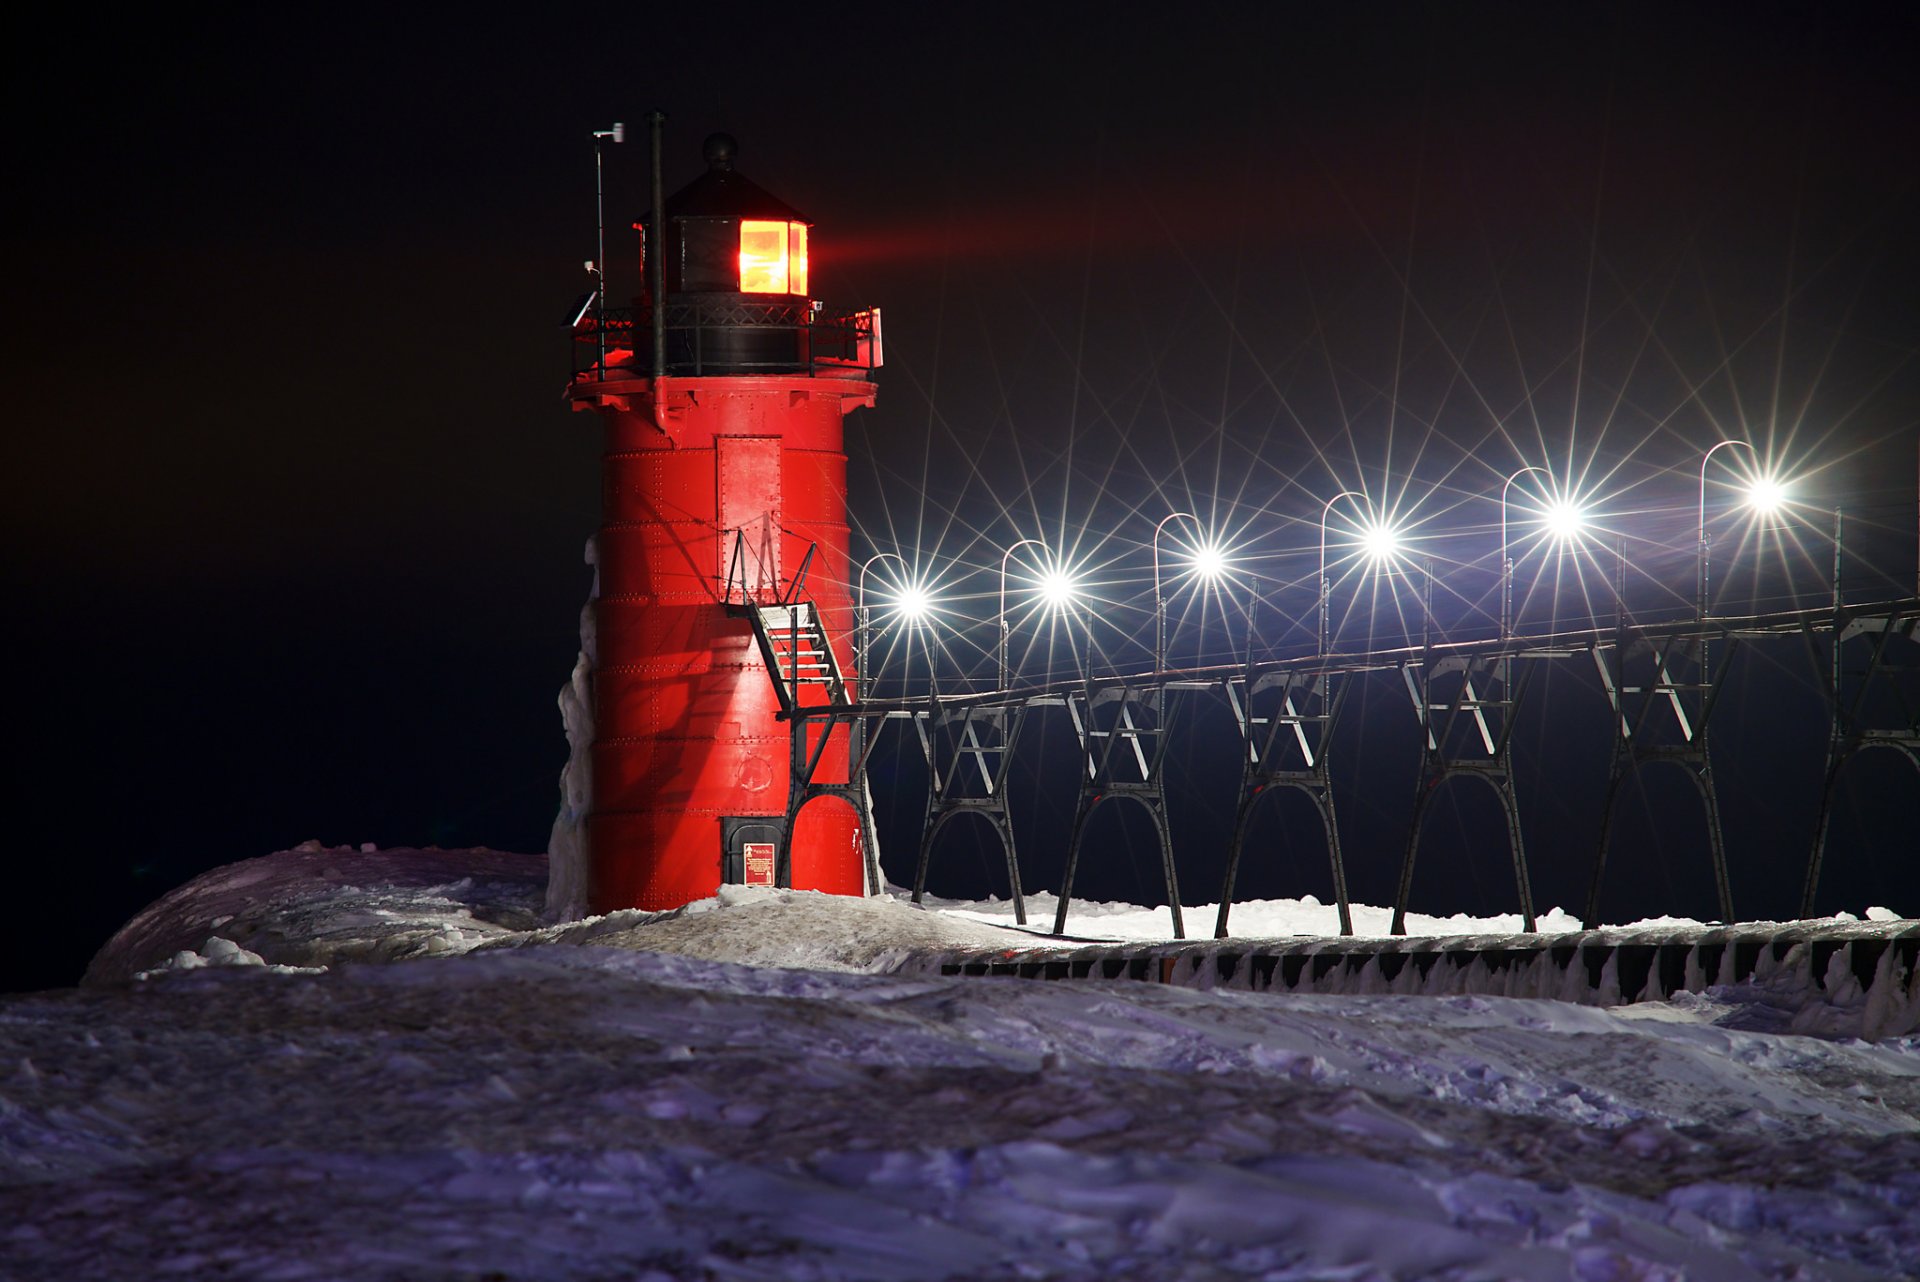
[913, 602]
[1058, 588]
[1209, 562]
[1766, 494]
[1380, 541]
[1564, 519]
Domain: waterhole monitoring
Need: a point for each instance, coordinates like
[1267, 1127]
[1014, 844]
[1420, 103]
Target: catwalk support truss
[1661, 681]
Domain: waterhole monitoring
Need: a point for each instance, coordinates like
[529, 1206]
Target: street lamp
[1506, 559]
[1764, 494]
[910, 600]
[1057, 587]
[1208, 562]
[1374, 536]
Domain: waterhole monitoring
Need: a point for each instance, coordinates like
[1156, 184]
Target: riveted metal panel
[748, 493]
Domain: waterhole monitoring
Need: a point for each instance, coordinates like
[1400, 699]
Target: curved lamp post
[1700, 579]
[1506, 559]
[1001, 618]
[1326, 588]
[863, 617]
[1160, 601]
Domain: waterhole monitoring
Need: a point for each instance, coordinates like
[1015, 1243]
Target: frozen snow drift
[524, 1102]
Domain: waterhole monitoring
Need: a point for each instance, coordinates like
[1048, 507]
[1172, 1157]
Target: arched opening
[1658, 856]
[1463, 856]
[1120, 855]
[1284, 852]
[967, 857]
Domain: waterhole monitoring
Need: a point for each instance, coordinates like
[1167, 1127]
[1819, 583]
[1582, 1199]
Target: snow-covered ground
[426, 1084]
[1253, 919]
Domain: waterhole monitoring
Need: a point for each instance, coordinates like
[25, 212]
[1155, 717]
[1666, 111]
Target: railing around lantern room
[726, 334]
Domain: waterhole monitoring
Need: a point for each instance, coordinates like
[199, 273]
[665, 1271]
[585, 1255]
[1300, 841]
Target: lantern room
[735, 275]
[728, 235]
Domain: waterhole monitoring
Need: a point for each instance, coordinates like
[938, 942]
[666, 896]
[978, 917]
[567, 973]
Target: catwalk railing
[1662, 683]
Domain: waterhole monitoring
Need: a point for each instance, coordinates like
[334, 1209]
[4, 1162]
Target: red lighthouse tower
[723, 558]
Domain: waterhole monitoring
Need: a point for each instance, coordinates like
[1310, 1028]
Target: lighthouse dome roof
[721, 192]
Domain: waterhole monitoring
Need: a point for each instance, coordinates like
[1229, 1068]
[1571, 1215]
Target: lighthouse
[723, 619]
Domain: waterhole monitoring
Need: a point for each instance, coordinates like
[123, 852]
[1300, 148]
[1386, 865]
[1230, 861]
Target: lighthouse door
[750, 849]
[747, 500]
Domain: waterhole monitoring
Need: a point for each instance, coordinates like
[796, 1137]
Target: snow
[763, 1086]
[796, 929]
[314, 905]
[1254, 919]
[567, 844]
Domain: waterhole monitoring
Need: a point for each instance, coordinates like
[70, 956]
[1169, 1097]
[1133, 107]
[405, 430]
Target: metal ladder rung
[797, 651]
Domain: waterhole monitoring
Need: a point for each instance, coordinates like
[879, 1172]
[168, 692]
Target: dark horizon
[297, 511]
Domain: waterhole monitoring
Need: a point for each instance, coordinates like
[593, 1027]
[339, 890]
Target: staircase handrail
[737, 565]
[800, 576]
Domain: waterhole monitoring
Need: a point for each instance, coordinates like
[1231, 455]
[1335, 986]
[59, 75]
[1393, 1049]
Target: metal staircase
[797, 653]
[787, 628]
[815, 696]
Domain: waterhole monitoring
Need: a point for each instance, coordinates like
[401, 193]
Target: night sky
[294, 511]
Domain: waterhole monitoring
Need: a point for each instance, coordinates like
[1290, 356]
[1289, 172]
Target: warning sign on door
[759, 861]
